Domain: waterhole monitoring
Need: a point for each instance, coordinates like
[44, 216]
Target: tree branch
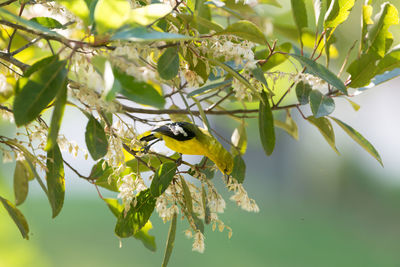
[7, 3]
[196, 112]
[7, 57]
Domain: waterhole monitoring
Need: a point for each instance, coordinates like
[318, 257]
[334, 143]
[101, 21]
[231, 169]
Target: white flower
[198, 243]
[127, 191]
[7, 156]
[241, 197]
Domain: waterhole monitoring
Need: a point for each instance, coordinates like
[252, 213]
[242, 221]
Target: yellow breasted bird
[187, 138]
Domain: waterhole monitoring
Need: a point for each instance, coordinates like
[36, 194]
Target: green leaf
[200, 23]
[58, 112]
[168, 63]
[289, 126]
[162, 178]
[137, 216]
[239, 139]
[356, 136]
[303, 91]
[235, 74]
[270, 2]
[362, 70]
[322, 72]
[337, 13]
[355, 106]
[276, 58]
[152, 160]
[325, 128]
[17, 217]
[114, 206]
[21, 179]
[299, 13]
[266, 125]
[320, 7]
[389, 62]
[246, 30]
[206, 209]
[259, 75]
[208, 88]
[138, 91]
[239, 169]
[321, 105]
[91, 5]
[198, 223]
[7, 15]
[205, 166]
[148, 241]
[55, 179]
[187, 196]
[48, 22]
[379, 35]
[170, 241]
[142, 34]
[35, 94]
[101, 176]
[96, 140]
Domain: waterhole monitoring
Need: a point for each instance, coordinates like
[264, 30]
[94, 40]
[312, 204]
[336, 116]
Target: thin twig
[6, 3]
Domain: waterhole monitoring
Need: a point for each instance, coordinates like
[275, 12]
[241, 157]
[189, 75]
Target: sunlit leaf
[266, 125]
[96, 140]
[289, 126]
[321, 105]
[162, 178]
[48, 22]
[148, 240]
[101, 176]
[170, 241]
[17, 217]
[337, 13]
[149, 13]
[276, 58]
[130, 223]
[239, 139]
[325, 128]
[356, 136]
[55, 179]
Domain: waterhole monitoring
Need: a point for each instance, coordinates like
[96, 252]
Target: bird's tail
[148, 138]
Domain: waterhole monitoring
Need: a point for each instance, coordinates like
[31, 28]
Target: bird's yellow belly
[189, 147]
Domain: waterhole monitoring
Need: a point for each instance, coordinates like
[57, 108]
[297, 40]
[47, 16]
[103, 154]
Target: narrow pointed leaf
[96, 140]
[21, 179]
[325, 128]
[58, 112]
[299, 13]
[17, 216]
[321, 105]
[55, 179]
[170, 241]
[356, 136]
[48, 22]
[322, 72]
[162, 178]
[266, 125]
[187, 196]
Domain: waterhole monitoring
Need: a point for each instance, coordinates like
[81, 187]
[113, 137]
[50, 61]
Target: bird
[188, 138]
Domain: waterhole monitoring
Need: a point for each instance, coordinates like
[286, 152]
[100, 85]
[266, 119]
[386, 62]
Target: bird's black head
[181, 131]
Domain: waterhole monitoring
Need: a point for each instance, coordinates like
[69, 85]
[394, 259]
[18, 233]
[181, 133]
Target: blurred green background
[316, 208]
